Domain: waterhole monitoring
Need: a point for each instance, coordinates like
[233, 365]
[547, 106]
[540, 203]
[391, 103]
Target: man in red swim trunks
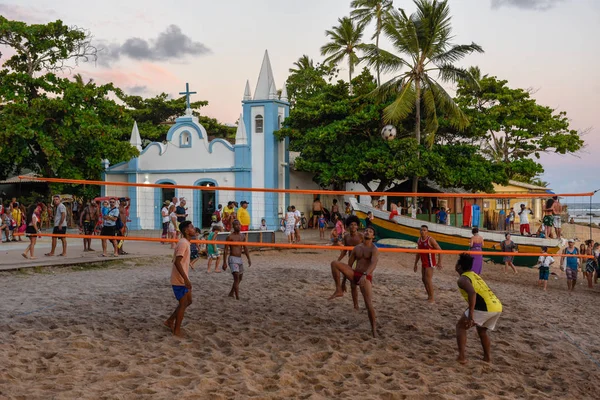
[428, 262]
[366, 256]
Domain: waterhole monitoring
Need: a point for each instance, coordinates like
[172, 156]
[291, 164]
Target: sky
[549, 46]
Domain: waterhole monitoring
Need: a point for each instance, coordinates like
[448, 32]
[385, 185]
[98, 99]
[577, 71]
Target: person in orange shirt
[182, 287]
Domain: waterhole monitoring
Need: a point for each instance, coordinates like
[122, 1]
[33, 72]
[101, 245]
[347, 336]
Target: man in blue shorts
[182, 287]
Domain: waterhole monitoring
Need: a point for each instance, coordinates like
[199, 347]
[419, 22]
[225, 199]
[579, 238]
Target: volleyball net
[152, 208]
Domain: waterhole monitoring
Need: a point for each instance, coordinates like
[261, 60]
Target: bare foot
[487, 359]
[33, 258]
[431, 301]
[336, 294]
[24, 255]
[91, 249]
[218, 271]
[179, 333]
[463, 361]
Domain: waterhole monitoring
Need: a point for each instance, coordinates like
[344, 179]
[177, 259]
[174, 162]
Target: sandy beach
[97, 333]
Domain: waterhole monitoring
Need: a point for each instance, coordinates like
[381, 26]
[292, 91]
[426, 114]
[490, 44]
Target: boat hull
[390, 229]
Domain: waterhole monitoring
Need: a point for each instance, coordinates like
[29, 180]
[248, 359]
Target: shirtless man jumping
[428, 262]
[232, 256]
[366, 256]
[351, 238]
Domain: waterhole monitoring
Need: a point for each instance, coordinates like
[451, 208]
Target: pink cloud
[149, 75]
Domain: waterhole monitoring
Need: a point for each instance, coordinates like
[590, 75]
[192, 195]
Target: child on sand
[544, 263]
[213, 250]
[290, 224]
[322, 224]
[182, 287]
[233, 257]
[337, 234]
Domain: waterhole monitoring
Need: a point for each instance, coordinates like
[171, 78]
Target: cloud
[540, 5]
[136, 90]
[170, 44]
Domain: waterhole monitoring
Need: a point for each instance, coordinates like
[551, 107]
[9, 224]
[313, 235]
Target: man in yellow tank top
[484, 308]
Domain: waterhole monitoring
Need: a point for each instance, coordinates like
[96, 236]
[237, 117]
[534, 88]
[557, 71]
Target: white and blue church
[256, 160]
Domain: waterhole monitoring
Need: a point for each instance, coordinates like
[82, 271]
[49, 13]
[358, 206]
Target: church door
[162, 195]
[206, 205]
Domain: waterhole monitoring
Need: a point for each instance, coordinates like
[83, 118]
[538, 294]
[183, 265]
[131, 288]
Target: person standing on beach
[365, 255]
[31, 232]
[508, 246]
[180, 281]
[544, 263]
[109, 227]
[298, 215]
[352, 238]
[476, 245]
[483, 311]
[232, 256]
[212, 251]
[548, 220]
[524, 214]
[87, 222]
[572, 265]
[60, 226]
[556, 219]
[317, 210]
[428, 260]
[244, 216]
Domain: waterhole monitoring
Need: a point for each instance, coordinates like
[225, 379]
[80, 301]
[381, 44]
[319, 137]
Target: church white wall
[149, 207]
[116, 191]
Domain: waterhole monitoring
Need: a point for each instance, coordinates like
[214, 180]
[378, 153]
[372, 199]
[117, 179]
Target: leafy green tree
[425, 38]
[51, 125]
[338, 137]
[346, 39]
[511, 128]
[307, 79]
[365, 11]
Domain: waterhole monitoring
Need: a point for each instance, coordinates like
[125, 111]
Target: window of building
[259, 124]
[279, 121]
[185, 140]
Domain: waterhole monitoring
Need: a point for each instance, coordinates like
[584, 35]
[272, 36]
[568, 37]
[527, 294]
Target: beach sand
[98, 333]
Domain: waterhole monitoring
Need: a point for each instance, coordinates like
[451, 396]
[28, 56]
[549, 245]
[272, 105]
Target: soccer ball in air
[388, 132]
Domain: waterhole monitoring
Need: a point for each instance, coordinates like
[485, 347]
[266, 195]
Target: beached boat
[451, 237]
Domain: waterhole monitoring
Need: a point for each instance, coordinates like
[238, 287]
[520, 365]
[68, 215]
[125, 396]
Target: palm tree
[304, 63]
[364, 11]
[345, 40]
[425, 38]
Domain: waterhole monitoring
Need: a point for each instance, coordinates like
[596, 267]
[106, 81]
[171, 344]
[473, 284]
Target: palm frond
[445, 103]
[456, 53]
[387, 61]
[451, 73]
[403, 106]
[431, 118]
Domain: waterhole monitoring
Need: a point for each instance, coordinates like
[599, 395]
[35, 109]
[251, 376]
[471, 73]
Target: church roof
[265, 80]
[247, 94]
[136, 139]
[240, 136]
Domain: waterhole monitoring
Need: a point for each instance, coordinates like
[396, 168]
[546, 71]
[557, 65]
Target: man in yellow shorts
[483, 312]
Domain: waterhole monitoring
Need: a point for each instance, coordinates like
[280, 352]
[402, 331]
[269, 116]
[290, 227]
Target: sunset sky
[550, 46]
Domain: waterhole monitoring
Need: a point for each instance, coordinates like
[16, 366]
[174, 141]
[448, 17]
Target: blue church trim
[198, 200]
[158, 203]
[134, 224]
[183, 122]
[222, 141]
[178, 171]
[161, 148]
[117, 165]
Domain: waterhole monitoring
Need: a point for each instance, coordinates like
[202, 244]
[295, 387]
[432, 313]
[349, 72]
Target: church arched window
[185, 140]
[258, 124]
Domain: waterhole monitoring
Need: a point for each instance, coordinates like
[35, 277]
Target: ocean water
[581, 212]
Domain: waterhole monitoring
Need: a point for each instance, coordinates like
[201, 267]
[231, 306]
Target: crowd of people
[108, 218]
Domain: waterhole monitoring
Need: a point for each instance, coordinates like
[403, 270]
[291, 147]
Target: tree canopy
[338, 137]
[61, 127]
[511, 127]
